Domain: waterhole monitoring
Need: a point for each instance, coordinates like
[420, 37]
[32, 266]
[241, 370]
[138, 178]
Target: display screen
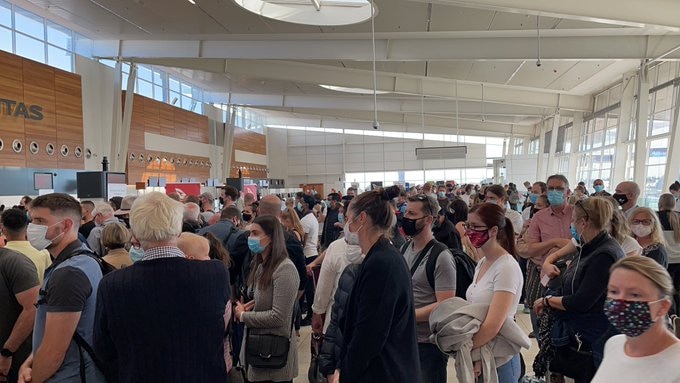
[42, 181]
[115, 178]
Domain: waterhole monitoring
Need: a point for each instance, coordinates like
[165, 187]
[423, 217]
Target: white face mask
[353, 253]
[641, 230]
[351, 238]
[37, 235]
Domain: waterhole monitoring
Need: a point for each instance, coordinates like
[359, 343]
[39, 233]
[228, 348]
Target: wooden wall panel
[151, 116]
[248, 141]
[58, 93]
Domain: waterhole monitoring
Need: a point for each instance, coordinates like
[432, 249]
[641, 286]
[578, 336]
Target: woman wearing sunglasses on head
[638, 299]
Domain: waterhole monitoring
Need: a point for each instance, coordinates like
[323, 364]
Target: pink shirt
[546, 225]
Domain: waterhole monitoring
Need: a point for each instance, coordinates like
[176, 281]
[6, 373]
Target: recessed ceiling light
[192, 2]
[352, 90]
[321, 12]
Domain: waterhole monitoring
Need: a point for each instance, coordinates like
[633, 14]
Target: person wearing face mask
[638, 300]
[248, 215]
[497, 280]
[428, 290]
[103, 215]
[670, 223]
[627, 194]
[267, 310]
[548, 231]
[379, 330]
[496, 194]
[578, 312]
[537, 190]
[598, 185]
[647, 230]
[67, 299]
[330, 231]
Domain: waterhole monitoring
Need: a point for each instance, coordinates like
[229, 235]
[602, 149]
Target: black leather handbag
[266, 350]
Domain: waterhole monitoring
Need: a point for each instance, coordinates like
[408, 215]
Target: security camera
[376, 125]
[538, 63]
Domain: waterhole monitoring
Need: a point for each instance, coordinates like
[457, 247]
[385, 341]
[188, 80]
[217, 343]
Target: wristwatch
[6, 353]
[546, 301]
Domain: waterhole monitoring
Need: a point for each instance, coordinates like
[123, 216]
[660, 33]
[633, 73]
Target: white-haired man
[190, 222]
[155, 304]
[103, 215]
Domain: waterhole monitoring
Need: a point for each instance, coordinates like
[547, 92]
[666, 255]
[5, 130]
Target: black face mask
[221, 201]
[410, 227]
[620, 198]
[436, 225]
[247, 217]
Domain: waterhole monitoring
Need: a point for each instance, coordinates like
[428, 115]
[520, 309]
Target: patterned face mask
[631, 318]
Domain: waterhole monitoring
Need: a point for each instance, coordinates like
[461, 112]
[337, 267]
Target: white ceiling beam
[633, 13]
[514, 48]
[385, 103]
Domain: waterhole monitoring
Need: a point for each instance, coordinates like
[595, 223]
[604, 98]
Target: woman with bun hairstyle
[638, 299]
[674, 189]
[379, 326]
[498, 279]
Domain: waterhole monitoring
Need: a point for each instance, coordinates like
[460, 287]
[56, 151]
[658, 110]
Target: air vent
[441, 153]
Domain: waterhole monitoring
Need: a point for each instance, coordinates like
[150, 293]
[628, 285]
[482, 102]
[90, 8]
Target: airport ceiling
[429, 54]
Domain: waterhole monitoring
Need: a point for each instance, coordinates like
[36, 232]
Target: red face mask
[477, 238]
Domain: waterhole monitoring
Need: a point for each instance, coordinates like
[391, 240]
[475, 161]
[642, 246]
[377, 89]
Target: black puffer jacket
[329, 356]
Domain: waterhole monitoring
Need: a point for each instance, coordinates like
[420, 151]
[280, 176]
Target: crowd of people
[394, 282]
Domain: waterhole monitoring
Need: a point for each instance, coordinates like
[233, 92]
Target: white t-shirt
[503, 275]
[516, 218]
[311, 227]
[630, 244]
[621, 368]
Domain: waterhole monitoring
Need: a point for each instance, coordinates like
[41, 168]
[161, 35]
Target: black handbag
[266, 350]
[574, 361]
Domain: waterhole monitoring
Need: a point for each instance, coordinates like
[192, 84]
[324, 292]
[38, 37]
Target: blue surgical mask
[136, 253]
[341, 217]
[599, 188]
[299, 206]
[556, 197]
[255, 246]
[533, 197]
[575, 234]
[441, 195]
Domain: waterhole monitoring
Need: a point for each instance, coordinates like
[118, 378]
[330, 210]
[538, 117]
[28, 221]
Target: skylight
[352, 90]
[311, 12]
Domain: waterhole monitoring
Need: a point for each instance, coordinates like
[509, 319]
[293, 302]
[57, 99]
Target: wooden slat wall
[59, 94]
[157, 117]
[252, 142]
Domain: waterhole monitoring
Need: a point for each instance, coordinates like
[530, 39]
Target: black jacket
[330, 232]
[447, 234]
[329, 356]
[379, 328]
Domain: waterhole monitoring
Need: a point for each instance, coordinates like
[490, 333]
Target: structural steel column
[576, 132]
[673, 160]
[622, 131]
[540, 174]
[641, 134]
[553, 145]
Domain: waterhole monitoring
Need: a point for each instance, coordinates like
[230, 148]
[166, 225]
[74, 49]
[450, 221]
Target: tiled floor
[304, 354]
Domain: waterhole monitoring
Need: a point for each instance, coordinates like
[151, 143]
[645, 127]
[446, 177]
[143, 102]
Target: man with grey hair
[627, 194]
[103, 215]
[190, 223]
[207, 200]
[138, 306]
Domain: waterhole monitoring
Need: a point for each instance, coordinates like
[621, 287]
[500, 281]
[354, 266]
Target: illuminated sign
[19, 109]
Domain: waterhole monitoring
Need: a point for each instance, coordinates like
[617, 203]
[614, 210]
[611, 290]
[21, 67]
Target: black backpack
[465, 266]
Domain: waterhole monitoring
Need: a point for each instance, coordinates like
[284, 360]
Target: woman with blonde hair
[291, 222]
[638, 300]
[114, 238]
[647, 230]
[670, 222]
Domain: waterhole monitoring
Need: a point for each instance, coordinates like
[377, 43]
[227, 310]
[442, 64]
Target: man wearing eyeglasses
[428, 290]
[548, 231]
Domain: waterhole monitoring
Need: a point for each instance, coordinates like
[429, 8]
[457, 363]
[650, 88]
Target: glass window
[494, 151]
[83, 45]
[30, 48]
[186, 104]
[59, 58]
[158, 77]
[144, 73]
[144, 88]
[158, 93]
[109, 63]
[29, 23]
[174, 98]
[59, 36]
[199, 109]
[174, 85]
[6, 14]
[5, 39]
[186, 90]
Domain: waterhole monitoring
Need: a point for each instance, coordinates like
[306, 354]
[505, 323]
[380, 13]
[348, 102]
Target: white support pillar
[117, 120]
[127, 120]
[511, 146]
[576, 132]
[540, 173]
[641, 134]
[525, 145]
[673, 160]
[553, 145]
[625, 120]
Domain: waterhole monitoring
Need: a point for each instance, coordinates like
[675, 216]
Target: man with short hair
[14, 225]
[598, 185]
[228, 196]
[194, 246]
[538, 189]
[310, 225]
[496, 194]
[207, 200]
[417, 223]
[87, 223]
[351, 192]
[548, 231]
[19, 288]
[67, 297]
[190, 222]
[330, 231]
[103, 215]
[152, 307]
[627, 194]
